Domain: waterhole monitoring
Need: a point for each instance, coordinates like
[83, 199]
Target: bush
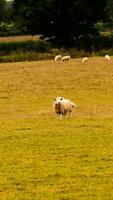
[26, 56]
[10, 33]
[104, 52]
[6, 48]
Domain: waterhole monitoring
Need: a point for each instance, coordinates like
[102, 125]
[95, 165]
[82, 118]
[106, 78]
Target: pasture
[19, 38]
[43, 158]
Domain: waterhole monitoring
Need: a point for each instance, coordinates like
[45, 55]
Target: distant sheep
[58, 57]
[107, 57]
[63, 106]
[65, 58]
[85, 59]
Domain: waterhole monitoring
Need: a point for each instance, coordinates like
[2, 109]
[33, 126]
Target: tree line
[62, 22]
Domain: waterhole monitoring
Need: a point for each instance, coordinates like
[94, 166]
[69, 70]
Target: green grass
[42, 157]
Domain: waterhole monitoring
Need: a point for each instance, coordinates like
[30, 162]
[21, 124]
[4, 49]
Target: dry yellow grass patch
[28, 88]
[18, 38]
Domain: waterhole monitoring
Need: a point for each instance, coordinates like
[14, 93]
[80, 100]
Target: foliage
[26, 56]
[61, 20]
[109, 11]
[6, 27]
[2, 10]
[63, 23]
[24, 46]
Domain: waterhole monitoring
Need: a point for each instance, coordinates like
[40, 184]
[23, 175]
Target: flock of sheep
[62, 58]
[85, 59]
[63, 107]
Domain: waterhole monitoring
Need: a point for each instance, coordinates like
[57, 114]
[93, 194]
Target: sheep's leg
[65, 114]
[59, 116]
[70, 114]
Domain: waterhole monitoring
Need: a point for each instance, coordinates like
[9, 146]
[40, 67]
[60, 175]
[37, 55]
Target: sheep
[63, 106]
[85, 59]
[107, 57]
[65, 58]
[58, 57]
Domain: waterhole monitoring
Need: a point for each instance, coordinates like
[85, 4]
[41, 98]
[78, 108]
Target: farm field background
[43, 157]
[18, 38]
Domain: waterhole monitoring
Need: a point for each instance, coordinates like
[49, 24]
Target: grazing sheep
[58, 57]
[85, 59]
[107, 57]
[65, 58]
[63, 106]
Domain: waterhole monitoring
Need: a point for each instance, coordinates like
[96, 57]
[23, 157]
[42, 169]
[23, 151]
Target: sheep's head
[57, 101]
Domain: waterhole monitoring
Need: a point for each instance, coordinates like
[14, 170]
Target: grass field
[43, 158]
[18, 38]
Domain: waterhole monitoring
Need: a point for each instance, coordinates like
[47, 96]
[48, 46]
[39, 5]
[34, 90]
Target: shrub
[7, 48]
[25, 56]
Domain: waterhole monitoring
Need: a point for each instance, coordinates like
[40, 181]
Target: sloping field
[43, 158]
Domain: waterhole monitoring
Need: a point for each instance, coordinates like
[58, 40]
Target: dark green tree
[2, 10]
[60, 20]
[109, 12]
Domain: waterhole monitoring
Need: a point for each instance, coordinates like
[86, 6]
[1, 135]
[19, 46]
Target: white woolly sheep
[63, 106]
[85, 59]
[107, 57]
[65, 58]
[58, 57]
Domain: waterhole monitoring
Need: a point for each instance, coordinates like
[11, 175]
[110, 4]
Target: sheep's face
[57, 101]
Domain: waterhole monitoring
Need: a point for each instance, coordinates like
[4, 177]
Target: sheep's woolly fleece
[63, 106]
[65, 58]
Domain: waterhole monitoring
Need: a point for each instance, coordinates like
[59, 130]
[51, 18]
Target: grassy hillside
[45, 158]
